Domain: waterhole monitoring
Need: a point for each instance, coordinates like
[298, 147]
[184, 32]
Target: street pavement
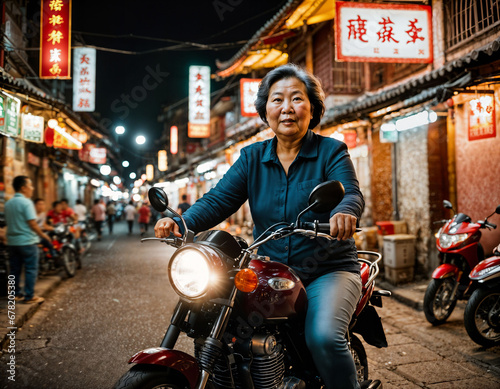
[121, 302]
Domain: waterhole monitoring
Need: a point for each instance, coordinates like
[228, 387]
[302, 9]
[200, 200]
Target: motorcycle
[482, 312]
[246, 313]
[65, 252]
[459, 251]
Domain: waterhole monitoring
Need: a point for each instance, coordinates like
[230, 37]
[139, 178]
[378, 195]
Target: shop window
[469, 19]
[348, 77]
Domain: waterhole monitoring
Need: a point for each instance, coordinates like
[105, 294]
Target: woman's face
[288, 109]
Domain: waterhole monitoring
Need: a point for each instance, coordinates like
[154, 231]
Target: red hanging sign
[55, 39]
[481, 118]
[248, 94]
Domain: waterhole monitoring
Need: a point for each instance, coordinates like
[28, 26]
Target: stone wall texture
[478, 173]
[381, 184]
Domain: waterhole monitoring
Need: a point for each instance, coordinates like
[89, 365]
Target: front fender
[174, 359]
[446, 270]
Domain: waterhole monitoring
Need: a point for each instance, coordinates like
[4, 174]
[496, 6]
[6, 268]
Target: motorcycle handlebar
[319, 227]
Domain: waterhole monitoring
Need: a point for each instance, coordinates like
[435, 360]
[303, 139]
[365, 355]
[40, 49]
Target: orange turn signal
[246, 280]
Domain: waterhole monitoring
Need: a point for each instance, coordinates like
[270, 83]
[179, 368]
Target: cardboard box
[398, 276]
[399, 251]
[391, 227]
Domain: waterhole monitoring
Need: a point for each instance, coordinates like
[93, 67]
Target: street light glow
[132, 176]
[125, 164]
[105, 170]
[140, 140]
[120, 130]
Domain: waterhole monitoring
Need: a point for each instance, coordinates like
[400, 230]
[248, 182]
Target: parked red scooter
[246, 312]
[482, 312]
[459, 251]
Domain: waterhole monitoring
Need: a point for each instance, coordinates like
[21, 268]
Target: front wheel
[482, 317]
[151, 377]
[359, 355]
[439, 301]
[69, 261]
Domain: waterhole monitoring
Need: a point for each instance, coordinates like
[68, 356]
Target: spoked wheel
[151, 377]
[359, 355]
[69, 261]
[438, 300]
[482, 317]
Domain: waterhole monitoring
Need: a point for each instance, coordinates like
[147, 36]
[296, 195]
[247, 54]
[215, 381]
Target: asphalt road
[121, 301]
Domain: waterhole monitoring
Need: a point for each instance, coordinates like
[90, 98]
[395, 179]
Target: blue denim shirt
[273, 196]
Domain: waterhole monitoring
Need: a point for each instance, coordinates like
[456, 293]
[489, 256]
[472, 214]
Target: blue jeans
[27, 256]
[332, 299]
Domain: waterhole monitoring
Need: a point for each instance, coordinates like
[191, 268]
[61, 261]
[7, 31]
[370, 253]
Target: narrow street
[120, 303]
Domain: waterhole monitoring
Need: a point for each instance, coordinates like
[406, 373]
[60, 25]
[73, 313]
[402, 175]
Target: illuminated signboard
[481, 118]
[248, 94]
[32, 127]
[55, 39]
[374, 32]
[162, 160]
[84, 79]
[199, 102]
[174, 140]
[150, 169]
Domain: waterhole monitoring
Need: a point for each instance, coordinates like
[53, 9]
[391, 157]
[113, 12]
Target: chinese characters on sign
[32, 127]
[12, 110]
[84, 79]
[55, 39]
[248, 94]
[481, 118]
[373, 32]
[199, 102]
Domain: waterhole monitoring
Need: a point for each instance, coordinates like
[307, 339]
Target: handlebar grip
[324, 227]
[491, 225]
[321, 227]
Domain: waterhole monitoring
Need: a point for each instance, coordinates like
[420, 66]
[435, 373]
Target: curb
[407, 294]
[44, 286]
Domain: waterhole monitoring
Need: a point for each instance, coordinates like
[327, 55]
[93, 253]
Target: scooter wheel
[482, 317]
[69, 261]
[151, 376]
[438, 304]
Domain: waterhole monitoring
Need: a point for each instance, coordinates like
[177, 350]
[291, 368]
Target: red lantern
[49, 136]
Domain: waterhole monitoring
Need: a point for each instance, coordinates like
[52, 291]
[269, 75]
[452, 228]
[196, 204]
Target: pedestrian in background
[144, 215]
[41, 220]
[130, 215]
[98, 213]
[184, 206]
[81, 211]
[55, 214]
[23, 235]
[111, 212]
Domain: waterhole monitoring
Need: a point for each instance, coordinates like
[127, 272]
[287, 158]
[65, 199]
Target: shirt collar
[309, 148]
[19, 194]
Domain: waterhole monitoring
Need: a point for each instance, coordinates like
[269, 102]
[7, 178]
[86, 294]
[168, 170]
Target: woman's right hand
[164, 227]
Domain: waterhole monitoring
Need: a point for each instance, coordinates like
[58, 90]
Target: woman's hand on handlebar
[342, 226]
[164, 227]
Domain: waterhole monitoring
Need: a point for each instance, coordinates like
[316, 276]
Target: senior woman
[277, 176]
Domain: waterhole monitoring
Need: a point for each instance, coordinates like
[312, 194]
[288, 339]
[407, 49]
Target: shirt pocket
[309, 185]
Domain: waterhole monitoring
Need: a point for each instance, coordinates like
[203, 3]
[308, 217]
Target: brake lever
[169, 241]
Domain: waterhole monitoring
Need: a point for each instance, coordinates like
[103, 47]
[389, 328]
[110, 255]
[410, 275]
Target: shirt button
[286, 248]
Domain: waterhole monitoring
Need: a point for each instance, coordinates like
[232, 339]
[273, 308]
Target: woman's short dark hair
[313, 86]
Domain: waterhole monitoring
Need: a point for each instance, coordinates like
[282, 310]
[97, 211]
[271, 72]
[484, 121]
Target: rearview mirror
[326, 196]
[447, 204]
[498, 209]
[158, 199]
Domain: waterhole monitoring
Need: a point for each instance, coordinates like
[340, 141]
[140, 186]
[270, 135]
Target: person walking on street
[98, 213]
[144, 215]
[23, 235]
[111, 212]
[130, 215]
[81, 211]
[184, 206]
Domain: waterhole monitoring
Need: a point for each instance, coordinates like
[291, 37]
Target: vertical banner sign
[162, 160]
[199, 102]
[482, 118]
[55, 39]
[374, 32]
[150, 172]
[84, 79]
[248, 94]
[32, 127]
[174, 140]
[13, 107]
[2, 114]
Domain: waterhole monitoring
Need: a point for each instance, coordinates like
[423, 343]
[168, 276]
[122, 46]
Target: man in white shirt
[130, 215]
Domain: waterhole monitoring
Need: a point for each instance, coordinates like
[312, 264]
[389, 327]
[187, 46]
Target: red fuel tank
[280, 293]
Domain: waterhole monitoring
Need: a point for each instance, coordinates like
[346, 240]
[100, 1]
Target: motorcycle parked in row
[65, 252]
[459, 251]
[482, 312]
[246, 313]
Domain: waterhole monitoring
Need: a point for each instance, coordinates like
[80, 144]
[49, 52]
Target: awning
[311, 12]
[266, 58]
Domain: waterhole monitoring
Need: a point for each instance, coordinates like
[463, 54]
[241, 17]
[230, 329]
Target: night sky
[205, 22]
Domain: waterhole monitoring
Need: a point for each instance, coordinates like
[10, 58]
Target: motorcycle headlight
[446, 240]
[190, 272]
[59, 229]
